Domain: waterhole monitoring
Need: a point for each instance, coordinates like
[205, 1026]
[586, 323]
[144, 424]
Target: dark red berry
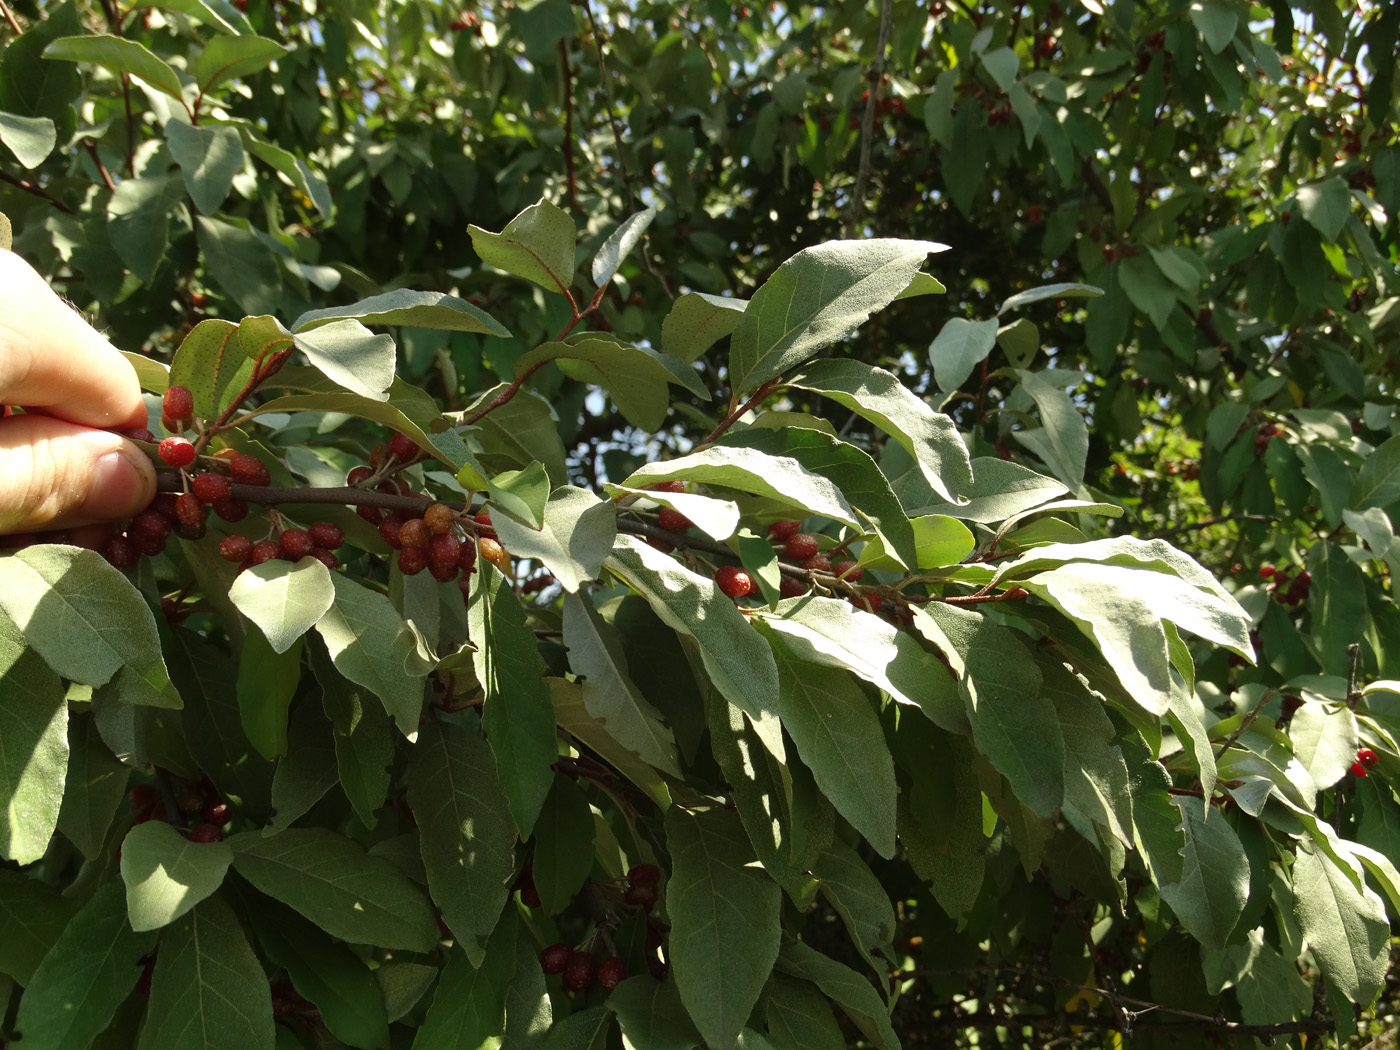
[177, 452]
[137, 434]
[389, 531]
[150, 523]
[231, 509]
[207, 833]
[675, 485]
[818, 563]
[326, 535]
[579, 971]
[734, 581]
[211, 488]
[466, 559]
[414, 533]
[672, 520]
[142, 796]
[358, 475]
[165, 503]
[325, 557]
[148, 544]
[189, 802]
[296, 543]
[782, 531]
[642, 895]
[265, 550]
[177, 403]
[555, 958]
[248, 470]
[235, 548]
[643, 874]
[412, 560]
[216, 812]
[189, 508]
[612, 972]
[1367, 757]
[848, 570]
[800, 546]
[445, 549]
[791, 587]
[404, 448]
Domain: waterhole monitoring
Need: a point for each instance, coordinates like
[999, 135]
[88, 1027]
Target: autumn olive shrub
[657, 730]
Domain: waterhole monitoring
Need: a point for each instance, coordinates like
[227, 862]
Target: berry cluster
[192, 801]
[1366, 760]
[578, 964]
[1286, 590]
[580, 968]
[319, 542]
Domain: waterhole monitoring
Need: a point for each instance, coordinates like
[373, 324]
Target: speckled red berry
[801, 546]
[734, 581]
[612, 972]
[177, 452]
[211, 488]
[782, 531]
[555, 958]
[672, 520]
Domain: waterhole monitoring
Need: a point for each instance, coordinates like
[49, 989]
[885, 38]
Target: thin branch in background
[867, 120]
[101, 168]
[1353, 666]
[569, 124]
[10, 18]
[1177, 530]
[1248, 721]
[608, 106]
[36, 189]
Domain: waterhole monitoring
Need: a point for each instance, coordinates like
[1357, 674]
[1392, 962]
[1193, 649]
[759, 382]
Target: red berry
[414, 533]
[217, 812]
[555, 958]
[265, 550]
[791, 587]
[782, 531]
[672, 520]
[674, 485]
[373, 515]
[412, 560]
[848, 570]
[137, 434]
[148, 544]
[150, 523]
[142, 796]
[578, 972]
[165, 503]
[642, 895]
[235, 548]
[482, 517]
[296, 543]
[443, 572]
[800, 546]
[643, 874]
[211, 488]
[439, 518]
[389, 531]
[445, 549]
[358, 475]
[189, 508]
[177, 403]
[612, 973]
[1358, 770]
[325, 557]
[177, 452]
[404, 448]
[466, 558]
[734, 581]
[207, 833]
[818, 563]
[1267, 570]
[231, 509]
[326, 535]
[1367, 757]
[248, 470]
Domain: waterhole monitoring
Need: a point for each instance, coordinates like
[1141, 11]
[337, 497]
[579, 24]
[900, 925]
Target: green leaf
[86, 620]
[332, 977]
[1216, 20]
[94, 787]
[468, 1008]
[721, 909]
[518, 433]
[522, 493]
[267, 681]
[166, 874]
[364, 739]
[138, 221]
[1001, 490]
[1326, 205]
[577, 535]
[843, 986]
[563, 854]
[210, 363]
[119, 56]
[819, 296]
[1345, 927]
[349, 353]
[218, 13]
[411, 309]
[289, 164]
[33, 87]
[717, 518]
[1337, 602]
[1147, 288]
[1325, 740]
[1070, 290]
[350, 894]
[960, 346]
[371, 645]
[538, 244]
[241, 263]
[33, 748]
[30, 139]
[465, 831]
[1063, 444]
[227, 57]
[209, 158]
[574, 719]
[864, 905]
[838, 735]
[32, 917]
[1210, 891]
[634, 379]
[738, 661]
[621, 241]
[609, 694]
[516, 710]
[878, 396]
[285, 599]
[800, 1018]
[90, 969]
[208, 991]
[1378, 481]
[307, 769]
[830, 632]
[697, 321]
[1095, 773]
[652, 1016]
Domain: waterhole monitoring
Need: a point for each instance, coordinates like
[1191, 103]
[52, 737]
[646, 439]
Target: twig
[101, 168]
[1353, 665]
[504, 396]
[9, 17]
[608, 106]
[1176, 530]
[37, 190]
[569, 124]
[867, 120]
[728, 421]
[1248, 721]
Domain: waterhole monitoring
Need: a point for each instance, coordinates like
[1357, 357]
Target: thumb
[55, 474]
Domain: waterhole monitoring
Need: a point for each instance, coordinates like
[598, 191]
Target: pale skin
[60, 465]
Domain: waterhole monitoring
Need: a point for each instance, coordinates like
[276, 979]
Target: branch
[1353, 665]
[1248, 721]
[9, 17]
[569, 124]
[101, 168]
[867, 120]
[728, 421]
[506, 394]
[37, 190]
[608, 105]
[1177, 530]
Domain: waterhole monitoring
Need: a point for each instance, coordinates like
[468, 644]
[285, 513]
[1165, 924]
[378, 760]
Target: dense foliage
[908, 550]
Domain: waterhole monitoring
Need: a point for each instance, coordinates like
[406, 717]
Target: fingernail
[117, 489]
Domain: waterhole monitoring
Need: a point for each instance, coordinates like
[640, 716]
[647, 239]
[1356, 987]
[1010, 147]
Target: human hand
[57, 468]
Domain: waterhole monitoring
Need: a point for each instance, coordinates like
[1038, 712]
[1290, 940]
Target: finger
[55, 474]
[51, 359]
